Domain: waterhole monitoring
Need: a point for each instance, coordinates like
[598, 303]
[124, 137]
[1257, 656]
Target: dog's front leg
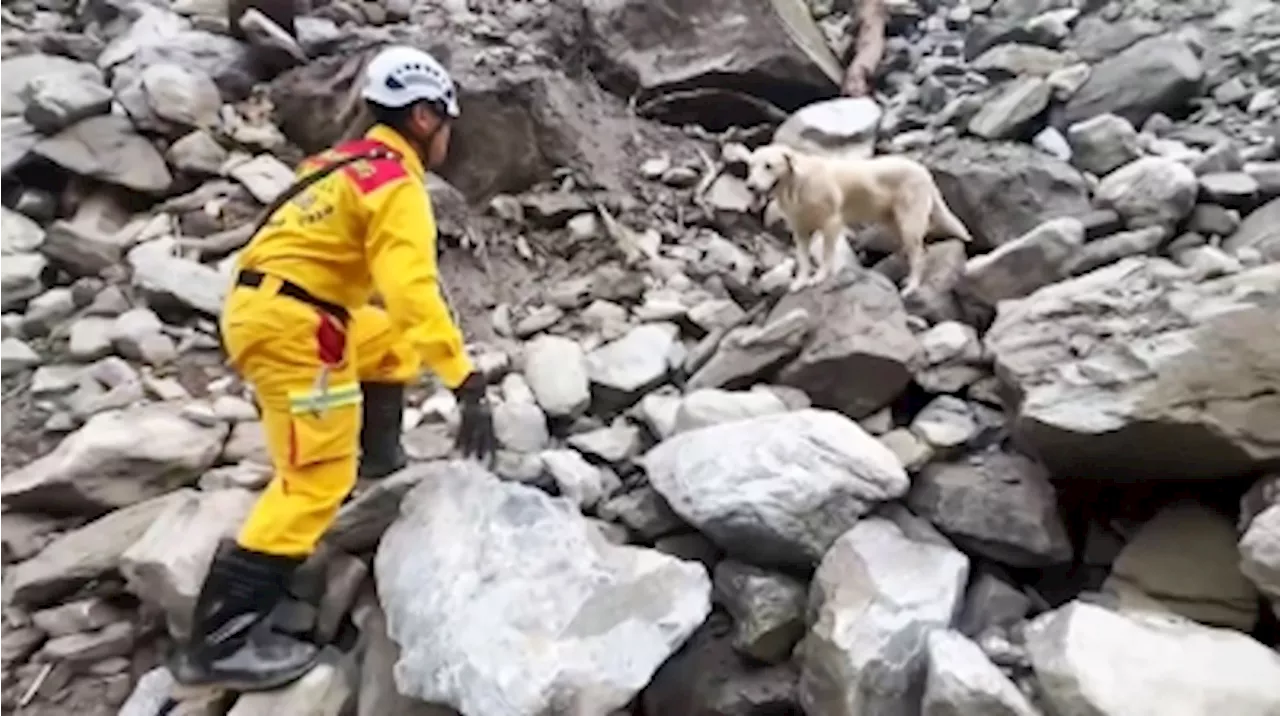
[803, 266]
[831, 234]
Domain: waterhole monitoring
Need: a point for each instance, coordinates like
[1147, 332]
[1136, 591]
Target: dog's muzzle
[760, 198]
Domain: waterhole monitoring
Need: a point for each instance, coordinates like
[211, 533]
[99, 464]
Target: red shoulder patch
[370, 174]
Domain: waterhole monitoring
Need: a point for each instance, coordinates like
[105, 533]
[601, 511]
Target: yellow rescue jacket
[367, 226]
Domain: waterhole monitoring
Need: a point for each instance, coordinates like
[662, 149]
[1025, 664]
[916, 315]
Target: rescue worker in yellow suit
[323, 362]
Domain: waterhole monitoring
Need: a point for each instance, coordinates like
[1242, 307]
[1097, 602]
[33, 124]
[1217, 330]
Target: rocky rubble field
[1049, 483]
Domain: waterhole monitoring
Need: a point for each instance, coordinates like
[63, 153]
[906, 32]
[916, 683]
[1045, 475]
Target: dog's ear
[789, 159]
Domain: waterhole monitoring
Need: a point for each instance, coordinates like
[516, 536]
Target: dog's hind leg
[912, 222]
[943, 222]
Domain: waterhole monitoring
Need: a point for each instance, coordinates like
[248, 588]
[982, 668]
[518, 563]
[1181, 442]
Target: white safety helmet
[399, 76]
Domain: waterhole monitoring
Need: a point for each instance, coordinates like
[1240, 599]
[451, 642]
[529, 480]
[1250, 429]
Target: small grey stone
[767, 608]
[58, 102]
[1103, 144]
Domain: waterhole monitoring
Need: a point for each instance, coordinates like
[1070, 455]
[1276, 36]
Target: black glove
[475, 435]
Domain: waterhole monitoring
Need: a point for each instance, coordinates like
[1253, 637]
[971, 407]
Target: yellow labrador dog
[821, 194]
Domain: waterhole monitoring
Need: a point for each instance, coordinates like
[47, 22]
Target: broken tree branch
[869, 49]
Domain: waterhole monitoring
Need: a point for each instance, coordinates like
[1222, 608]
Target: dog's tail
[945, 222]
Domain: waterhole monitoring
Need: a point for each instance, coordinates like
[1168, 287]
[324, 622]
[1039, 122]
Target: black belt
[253, 279]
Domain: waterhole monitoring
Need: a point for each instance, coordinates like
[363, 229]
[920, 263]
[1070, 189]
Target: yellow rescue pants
[312, 434]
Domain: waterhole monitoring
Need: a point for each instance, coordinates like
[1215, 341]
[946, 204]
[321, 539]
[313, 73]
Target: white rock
[843, 127]
[183, 95]
[556, 371]
[879, 592]
[962, 681]
[1260, 554]
[107, 148]
[156, 268]
[47, 310]
[18, 234]
[507, 602]
[1152, 191]
[947, 422]
[1090, 660]
[578, 479]
[627, 368]
[776, 489]
[520, 426]
[150, 694]
[90, 338]
[264, 176]
[324, 691]
[20, 277]
[712, 406]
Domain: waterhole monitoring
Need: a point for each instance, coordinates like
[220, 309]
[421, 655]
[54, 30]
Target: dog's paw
[799, 283]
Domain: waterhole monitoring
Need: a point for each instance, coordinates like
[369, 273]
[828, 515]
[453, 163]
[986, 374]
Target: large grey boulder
[84, 554]
[158, 37]
[527, 120]
[1158, 74]
[1114, 366]
[116, 459]
[1090, 660]
[786, 489]
[1260, 230]
[507, 602]
[879, 592]
[1003, 190]
[21, 72]
[1184, 560]
[1040, 257]
[167, 565]
[771, 49]
[107, 148]
[857, 359]
[995, 503]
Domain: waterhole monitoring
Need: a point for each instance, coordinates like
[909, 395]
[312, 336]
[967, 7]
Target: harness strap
[303, 183]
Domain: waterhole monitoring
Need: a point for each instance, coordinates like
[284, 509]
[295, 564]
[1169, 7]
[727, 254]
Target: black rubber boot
[232, 646]
[381, 452]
